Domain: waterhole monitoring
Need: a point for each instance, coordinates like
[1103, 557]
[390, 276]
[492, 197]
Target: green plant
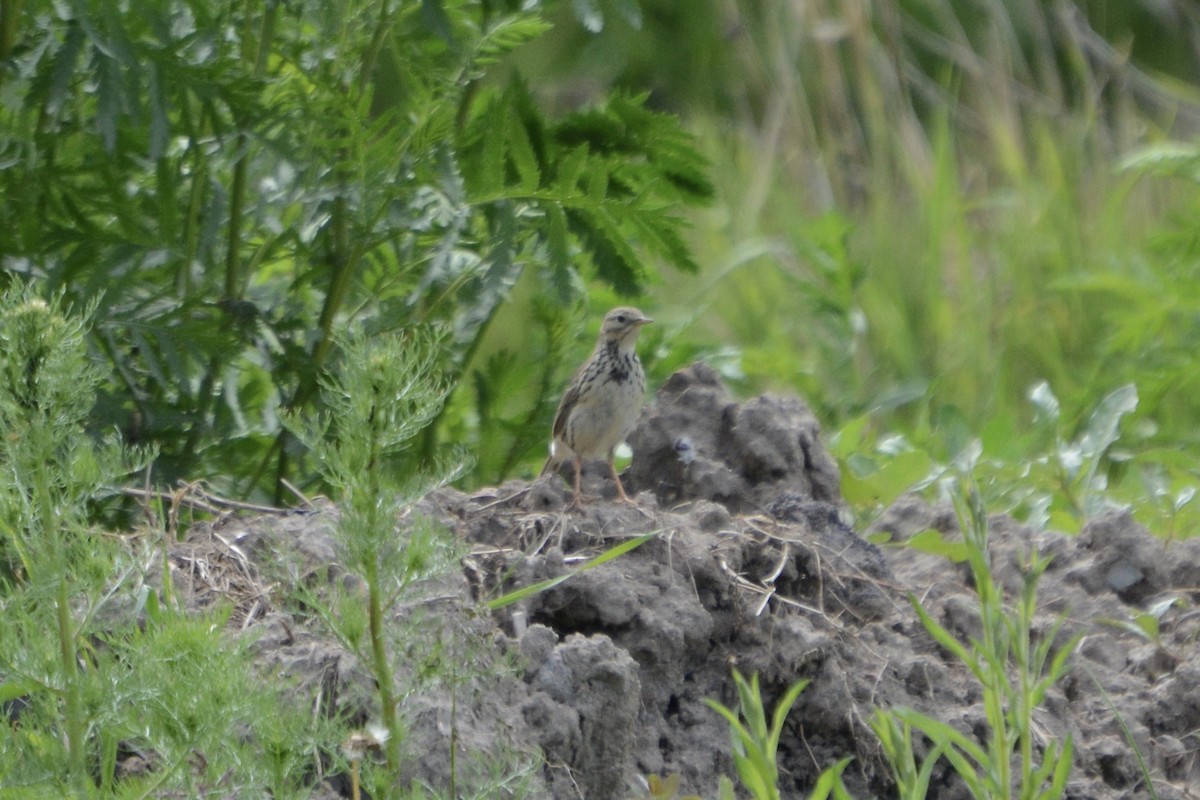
[1060, 471]
[1130, 739]
[1145, 624]
[180, 692]
[665, 788]
[231, 183]
[608, 555]
[1014, 673]
[52, 470]
[385, 392]
[94, 663]
[170, 706]
[923, 235]
[755, 745]
[1054, 473]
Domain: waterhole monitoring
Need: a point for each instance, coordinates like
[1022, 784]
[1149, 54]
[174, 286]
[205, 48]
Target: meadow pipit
[603, 401]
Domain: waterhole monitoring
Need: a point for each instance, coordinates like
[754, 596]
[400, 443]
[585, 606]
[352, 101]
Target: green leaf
[434, 13]
[160, 124]
[782, 708]
[541, 586]
[899, 474]
[571, 168]
[521, 152]
[597, 185]
[615, 260]
[490, 175]
[921, 784]
[936, 543]
[631, 10]
[11, 690]
[109, 101]
[754, 745]
[956, 743]
[1042, 773]
[851, 438]
[1044, 401]
[751, 705]
[507, 34]
[830, 781]
[1175, 159]
[944, 637]
[1102, 429]
[558, 254]
[153, 611]
[62, 68]
[1062, 770]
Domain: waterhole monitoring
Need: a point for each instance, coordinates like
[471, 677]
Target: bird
[602, 402]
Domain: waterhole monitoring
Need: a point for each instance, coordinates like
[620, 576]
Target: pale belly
[594, 429]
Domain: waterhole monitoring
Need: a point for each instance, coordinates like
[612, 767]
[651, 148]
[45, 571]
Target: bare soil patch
[752, 567]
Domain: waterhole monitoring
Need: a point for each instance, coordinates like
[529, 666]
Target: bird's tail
[553, 462]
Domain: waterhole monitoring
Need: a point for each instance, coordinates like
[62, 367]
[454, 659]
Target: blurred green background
[926, 204]
[931, 217]
[939, 221]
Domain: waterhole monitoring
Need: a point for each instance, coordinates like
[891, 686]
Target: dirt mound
[751, 567]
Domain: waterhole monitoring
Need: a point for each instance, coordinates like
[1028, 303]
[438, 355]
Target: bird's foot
[621, 496]
[580, 500]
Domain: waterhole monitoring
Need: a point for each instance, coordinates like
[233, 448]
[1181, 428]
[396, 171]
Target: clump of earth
[601, 680]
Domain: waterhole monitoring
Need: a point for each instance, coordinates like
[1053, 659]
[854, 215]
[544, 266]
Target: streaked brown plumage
[603, 400]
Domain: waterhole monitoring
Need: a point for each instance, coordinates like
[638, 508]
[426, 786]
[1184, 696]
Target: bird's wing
[569, 400]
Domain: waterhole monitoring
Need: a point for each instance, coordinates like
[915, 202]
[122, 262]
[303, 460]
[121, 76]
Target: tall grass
[914, 198]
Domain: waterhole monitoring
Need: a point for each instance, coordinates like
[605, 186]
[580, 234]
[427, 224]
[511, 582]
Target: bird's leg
[621, 496]
[577, 499]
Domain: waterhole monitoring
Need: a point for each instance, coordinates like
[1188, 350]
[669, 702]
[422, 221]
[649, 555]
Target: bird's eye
[620, 317]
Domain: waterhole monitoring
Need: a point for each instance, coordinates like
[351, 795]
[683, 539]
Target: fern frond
[507, 34]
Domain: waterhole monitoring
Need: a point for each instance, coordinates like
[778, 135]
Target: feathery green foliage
[231, 184]
[86, 678]
[51, 470]
[383, 393]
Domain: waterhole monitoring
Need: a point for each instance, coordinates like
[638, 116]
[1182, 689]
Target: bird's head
[622, 325]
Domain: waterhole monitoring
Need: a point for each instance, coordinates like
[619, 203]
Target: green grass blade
[830, 782]
[782, 708]
[921, 784]
[1062, 771]
[939, 732]
[945, 638]
[751, 700]
[541, 586]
